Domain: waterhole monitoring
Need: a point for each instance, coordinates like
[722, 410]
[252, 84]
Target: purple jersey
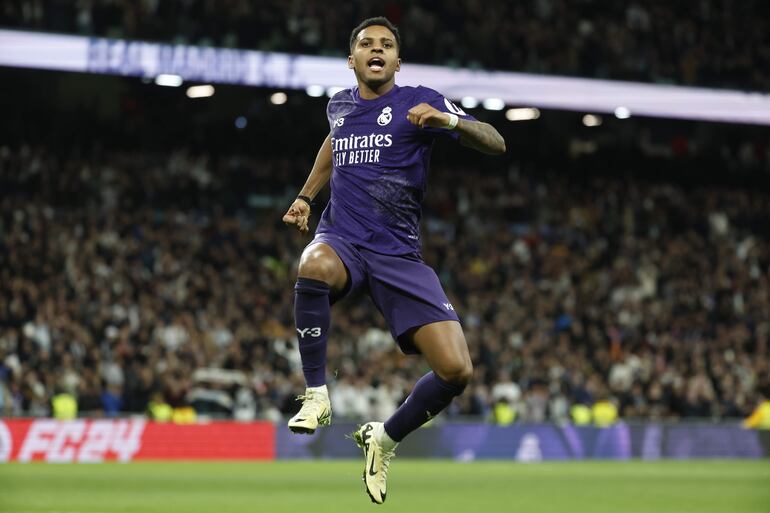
[380, 165]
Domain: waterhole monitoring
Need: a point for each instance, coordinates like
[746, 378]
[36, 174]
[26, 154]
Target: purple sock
[312, 316]
[429, 396]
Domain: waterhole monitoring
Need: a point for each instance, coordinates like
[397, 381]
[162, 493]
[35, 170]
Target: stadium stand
[709, 42]
[122, 273]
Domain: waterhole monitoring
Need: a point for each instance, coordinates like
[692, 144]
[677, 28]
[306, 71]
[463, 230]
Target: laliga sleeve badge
[454, 108]
[385, 117]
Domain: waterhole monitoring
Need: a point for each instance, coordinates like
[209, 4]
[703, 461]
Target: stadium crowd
[704, 42]
[123, 275]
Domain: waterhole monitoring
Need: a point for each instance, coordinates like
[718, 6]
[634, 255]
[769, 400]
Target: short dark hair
[379, 20]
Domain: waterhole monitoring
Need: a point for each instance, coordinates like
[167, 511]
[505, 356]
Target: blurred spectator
[503, 412]
[505, 389]
[604, 412]
[158, 409]
[112, 402]
[64, 405]
[184, 415]
[760, 417]
[580, 414]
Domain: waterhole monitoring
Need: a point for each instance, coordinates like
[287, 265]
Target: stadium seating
[124, 273]
[654, 41]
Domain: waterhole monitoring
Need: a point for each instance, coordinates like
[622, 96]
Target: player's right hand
[298, 215]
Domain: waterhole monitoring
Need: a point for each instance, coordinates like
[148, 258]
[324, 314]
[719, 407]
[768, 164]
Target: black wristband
[307, 200]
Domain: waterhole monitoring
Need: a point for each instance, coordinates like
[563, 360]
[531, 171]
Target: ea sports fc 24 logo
[77, 440]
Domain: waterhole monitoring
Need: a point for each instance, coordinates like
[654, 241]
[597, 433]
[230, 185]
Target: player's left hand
[424, 115]
[298, 215]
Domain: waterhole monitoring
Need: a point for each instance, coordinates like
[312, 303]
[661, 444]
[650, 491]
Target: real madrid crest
[385, 117]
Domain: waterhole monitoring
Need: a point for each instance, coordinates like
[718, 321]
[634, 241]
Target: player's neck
[369, 92]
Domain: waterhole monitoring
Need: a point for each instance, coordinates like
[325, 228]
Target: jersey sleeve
[444, 104]
[329, 115]
[339, 106]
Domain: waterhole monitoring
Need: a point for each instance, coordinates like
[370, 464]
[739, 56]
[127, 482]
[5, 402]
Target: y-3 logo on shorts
[313, 332]
[448, 306]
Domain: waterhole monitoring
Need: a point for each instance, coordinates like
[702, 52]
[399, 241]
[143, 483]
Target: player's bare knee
[317, 264]
[458, 372]
[320, 269]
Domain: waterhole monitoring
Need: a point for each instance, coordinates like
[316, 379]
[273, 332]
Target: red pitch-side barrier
[90, 441]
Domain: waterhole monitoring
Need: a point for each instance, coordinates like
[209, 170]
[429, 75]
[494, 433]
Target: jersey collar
[376, 101]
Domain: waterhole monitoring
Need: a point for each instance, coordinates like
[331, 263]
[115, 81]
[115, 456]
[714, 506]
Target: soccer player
[377, 155]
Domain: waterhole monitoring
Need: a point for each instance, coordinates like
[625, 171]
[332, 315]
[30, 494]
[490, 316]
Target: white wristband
[453, 120]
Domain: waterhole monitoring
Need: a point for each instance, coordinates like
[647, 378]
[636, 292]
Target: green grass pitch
[414, 486]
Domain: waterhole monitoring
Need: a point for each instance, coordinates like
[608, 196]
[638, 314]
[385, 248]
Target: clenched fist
[298, 215]
[424, 115]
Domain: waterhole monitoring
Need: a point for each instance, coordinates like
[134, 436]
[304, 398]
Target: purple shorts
[404, 289]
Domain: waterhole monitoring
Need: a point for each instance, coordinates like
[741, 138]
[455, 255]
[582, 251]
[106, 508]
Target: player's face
[374, 58]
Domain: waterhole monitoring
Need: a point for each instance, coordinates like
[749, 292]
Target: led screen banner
[93, 441]
[542, 442]
[280, 70]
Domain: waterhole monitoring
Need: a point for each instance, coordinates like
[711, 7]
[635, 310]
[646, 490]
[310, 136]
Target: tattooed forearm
[481, 137]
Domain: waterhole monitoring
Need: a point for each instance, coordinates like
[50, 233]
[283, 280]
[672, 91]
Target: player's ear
[398, 65]
[350, 62]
